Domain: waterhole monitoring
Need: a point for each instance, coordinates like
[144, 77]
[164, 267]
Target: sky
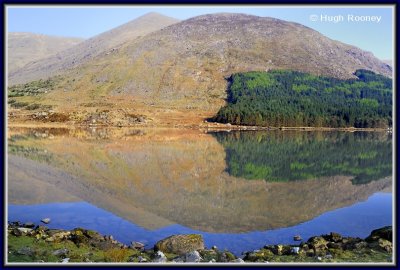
[369, 28]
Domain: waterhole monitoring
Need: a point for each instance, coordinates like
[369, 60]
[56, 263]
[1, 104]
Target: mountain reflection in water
[157, 178]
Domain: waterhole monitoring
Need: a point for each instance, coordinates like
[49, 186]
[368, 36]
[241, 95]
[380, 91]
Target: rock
[25, 231]
[25, 251]
[384, 233]
[214, 247]
[15, 224]
[16, 232]
[229, 256]
[61, 252]
[93, 235]
[238, 260]
[41, 228]
[328, 256]
[46, 220]
[141, 259]
[59, 235]
[137, 245]
[295, 250]
[29, 225]
[350, 243]
[319, 258]
[49, 239]
[334, 245]
[77, 236]
[193, 256]
[310, 253]
[318, 244]
[333, 237]
[297, 238]
[360, 245]
[180, 244]
[159, 257]
[259, 255]
[281, 250]
[179, 259]
[223, 258]
[385, 245]
[65, 260]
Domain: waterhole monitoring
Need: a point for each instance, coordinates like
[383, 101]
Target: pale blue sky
[86, 22]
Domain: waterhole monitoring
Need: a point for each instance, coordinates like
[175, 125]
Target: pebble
[297, 238]
[295, 250]
[61, 252]
[141, 259]
[193, 256]
[29, 225]
[137, 245]
[25, 251]
[25, 230]
[46, 220]
[66, 260]
[160, 257]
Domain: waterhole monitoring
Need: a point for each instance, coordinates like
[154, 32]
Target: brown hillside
[101, 44]
[24, 48]
[182, 68]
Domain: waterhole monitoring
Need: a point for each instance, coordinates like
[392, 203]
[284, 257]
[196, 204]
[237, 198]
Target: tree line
[291, 98]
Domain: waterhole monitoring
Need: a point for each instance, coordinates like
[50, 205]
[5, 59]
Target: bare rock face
[180, 244]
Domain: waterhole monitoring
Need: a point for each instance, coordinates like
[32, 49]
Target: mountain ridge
[91, 48]
[190, 60]
[25, 47]
[183, 67]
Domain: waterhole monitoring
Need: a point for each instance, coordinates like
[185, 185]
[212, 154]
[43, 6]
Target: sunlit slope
[23, 48]
[100, 45]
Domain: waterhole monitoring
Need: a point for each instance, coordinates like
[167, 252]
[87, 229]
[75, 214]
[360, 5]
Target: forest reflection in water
[215, 183]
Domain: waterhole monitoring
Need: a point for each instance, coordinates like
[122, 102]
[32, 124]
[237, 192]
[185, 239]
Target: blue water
[355, 220]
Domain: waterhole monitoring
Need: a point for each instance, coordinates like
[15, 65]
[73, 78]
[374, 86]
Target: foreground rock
[180, 244]
[41, 244]
[330, 248]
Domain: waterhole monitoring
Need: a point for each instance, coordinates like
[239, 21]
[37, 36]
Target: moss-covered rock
[180, 244]
[262, 255]
[384, 233]
[80, 245]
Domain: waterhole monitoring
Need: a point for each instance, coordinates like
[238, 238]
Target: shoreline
[32, 243]
[208, 127]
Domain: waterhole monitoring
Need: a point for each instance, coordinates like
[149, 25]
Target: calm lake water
[240, 190]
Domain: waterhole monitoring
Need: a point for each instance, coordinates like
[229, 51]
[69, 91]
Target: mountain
[27, 47]
[101, 44]
[183, 68]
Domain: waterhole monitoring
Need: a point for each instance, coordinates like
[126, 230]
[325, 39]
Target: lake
[240, 190]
